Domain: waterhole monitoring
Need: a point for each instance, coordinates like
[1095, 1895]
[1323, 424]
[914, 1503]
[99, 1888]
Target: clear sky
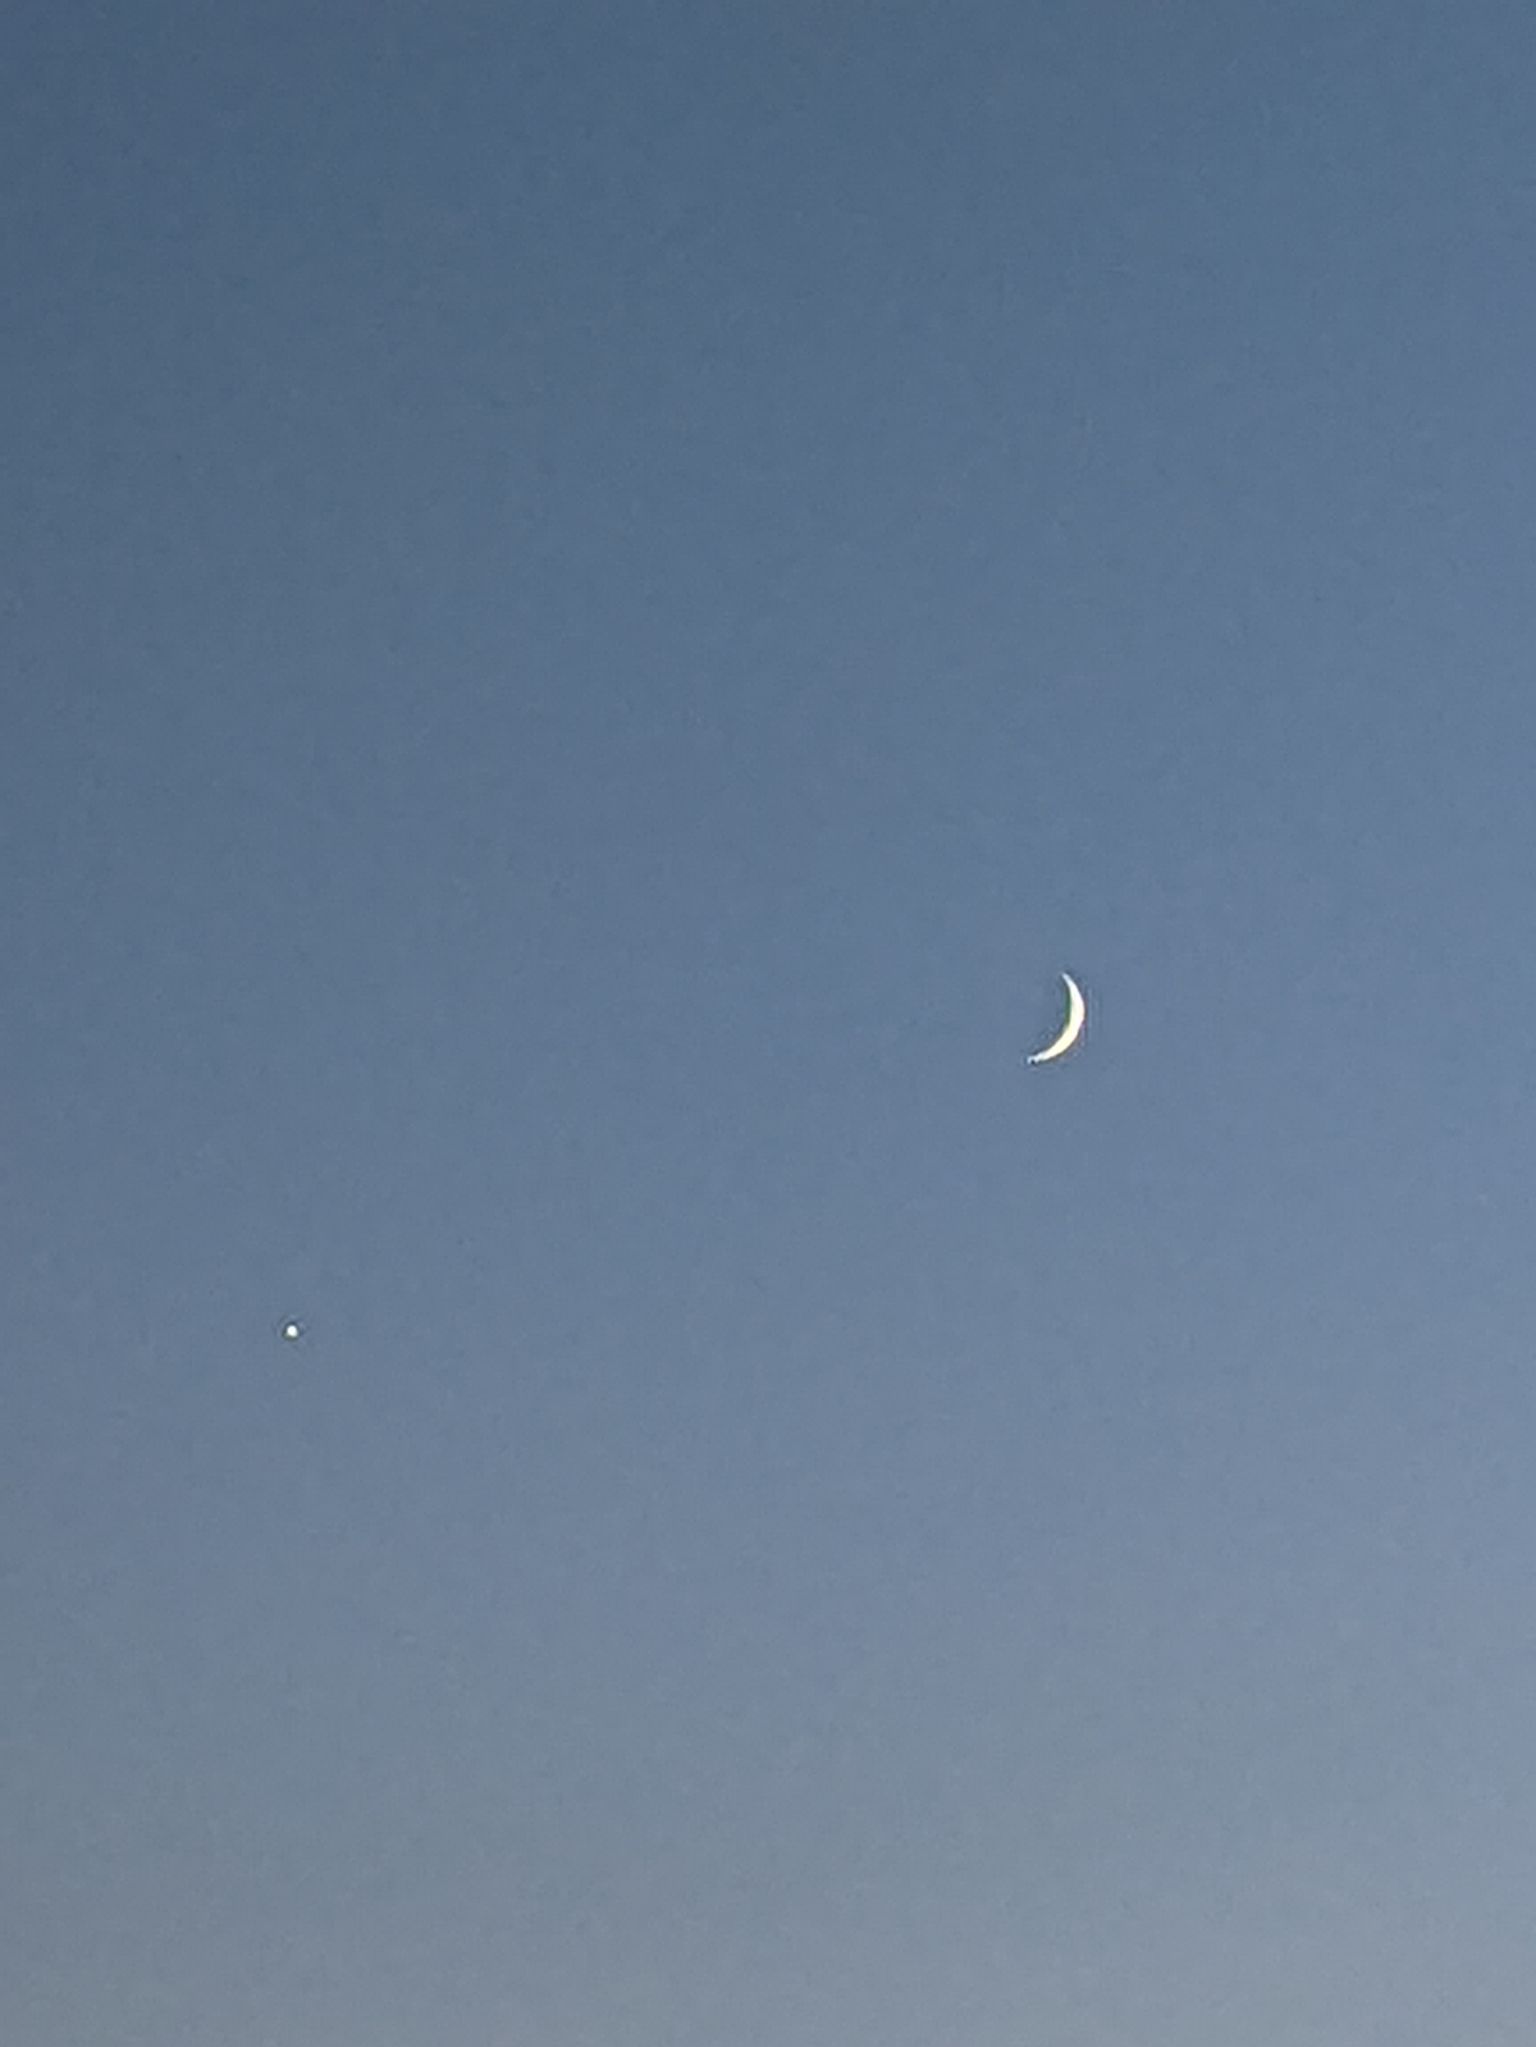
[595, 600]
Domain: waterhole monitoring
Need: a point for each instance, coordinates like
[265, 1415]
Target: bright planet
[1071, 1030]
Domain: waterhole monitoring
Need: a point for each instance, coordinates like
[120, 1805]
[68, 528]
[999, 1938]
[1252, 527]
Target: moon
[1071, 1030]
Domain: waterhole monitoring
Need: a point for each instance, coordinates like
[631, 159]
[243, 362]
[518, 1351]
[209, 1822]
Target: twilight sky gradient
[594, 601]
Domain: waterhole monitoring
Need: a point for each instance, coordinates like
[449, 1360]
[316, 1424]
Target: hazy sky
[595, 600]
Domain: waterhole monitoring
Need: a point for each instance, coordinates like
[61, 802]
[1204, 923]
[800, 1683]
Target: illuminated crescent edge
[1072, 1030]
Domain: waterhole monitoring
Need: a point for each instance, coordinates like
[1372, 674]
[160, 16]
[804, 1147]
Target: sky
[595, 602]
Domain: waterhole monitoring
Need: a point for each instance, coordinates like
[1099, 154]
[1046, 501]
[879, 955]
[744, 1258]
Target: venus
[1071, 1030]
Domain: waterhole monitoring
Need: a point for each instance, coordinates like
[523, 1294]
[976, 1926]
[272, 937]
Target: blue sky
[594, 602]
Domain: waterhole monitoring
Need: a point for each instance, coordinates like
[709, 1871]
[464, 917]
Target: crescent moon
[1071, 1030]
